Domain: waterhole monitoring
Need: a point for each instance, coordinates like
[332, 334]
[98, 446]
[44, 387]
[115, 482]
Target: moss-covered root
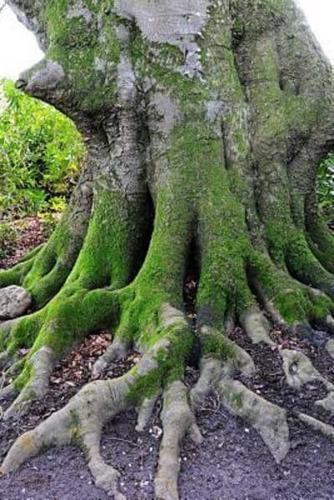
[306, 267]
[17, 274]
[83, 418]
[50, 267]
[289, 303]
[49, 334]
[177, 419]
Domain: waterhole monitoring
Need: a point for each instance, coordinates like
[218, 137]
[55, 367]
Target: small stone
[14, 301]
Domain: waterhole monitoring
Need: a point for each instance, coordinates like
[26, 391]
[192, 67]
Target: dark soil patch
[31, 233]
[269, 380]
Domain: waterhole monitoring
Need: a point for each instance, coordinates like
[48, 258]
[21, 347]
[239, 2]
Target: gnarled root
[177, 419]
[49, 333]
[268, 419]
[83, 418]
[41, 365]
[117, 350]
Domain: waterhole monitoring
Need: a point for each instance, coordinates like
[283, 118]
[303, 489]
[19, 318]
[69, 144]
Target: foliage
[40, 155]
[325, 186]
[8, 239]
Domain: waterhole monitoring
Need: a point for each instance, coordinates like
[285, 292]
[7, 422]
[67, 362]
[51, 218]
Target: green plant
[41, 153]
[325, 186]
[8, 240]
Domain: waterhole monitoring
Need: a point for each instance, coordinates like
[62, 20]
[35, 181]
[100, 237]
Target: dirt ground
[232, 463]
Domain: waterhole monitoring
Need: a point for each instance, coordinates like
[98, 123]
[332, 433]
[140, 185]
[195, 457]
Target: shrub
[8, 240]
[41, 153]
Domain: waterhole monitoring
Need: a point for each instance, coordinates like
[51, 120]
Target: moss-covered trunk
[205, 124]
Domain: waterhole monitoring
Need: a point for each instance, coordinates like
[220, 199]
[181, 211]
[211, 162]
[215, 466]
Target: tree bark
[205, 123]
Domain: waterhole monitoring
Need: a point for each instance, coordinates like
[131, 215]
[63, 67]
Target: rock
[14, 301]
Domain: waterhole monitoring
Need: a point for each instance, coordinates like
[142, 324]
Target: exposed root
[7, 392]
[42, 363]
[268, 419]
[330, 347]
[317, 425]
[105, 476]
[210, 373]
[117, 350]
[329, 321]
[299, 370]
[83, 418]
[4, 360]
[177, 419]
[145, 412]
[257, 327]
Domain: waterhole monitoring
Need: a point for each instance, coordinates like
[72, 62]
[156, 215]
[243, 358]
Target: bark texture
[205, 123]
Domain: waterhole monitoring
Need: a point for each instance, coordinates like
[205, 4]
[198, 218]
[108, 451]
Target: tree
[205, 123]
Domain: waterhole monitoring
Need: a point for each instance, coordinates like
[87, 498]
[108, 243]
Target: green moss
[15, 275]
[214, 345]
[304, 265]
[88, 50]
[286, 294]
[25, 376]
[170, 361]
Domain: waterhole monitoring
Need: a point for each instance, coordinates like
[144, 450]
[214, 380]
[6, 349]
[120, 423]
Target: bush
[325, 187]
[8, 240]
[41, 153]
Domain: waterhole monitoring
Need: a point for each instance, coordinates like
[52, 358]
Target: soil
[31, 232]
[232, 463]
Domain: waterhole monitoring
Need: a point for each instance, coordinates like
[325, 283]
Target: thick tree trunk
[205, 123]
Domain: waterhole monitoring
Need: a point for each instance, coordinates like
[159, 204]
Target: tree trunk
[205, 123]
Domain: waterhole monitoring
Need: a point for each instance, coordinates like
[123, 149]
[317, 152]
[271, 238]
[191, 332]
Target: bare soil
[31, 232]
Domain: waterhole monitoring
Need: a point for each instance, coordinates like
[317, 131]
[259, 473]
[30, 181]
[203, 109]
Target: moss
[287, 295]
[25, 376]
[24, 332]
[107, 255]
[77, 44]
[15, 275]
[305, 267]
[170, 361]
[224, 246]
[214, 345]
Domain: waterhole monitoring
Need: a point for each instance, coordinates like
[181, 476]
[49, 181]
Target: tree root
[41, 366]
[256, 327]
[268, 419]
[117, 350]
[82, 419]
[48, 334]
[177, 419]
